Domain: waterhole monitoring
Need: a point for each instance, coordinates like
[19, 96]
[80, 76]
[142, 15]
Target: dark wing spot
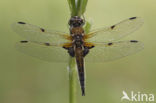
[21, 22]
[67, 48]
[47, 44]
[24, 41]
[132, 18]
[91, 47]
[110, 44]
[112, 27]
[134, 41]
[42, 29]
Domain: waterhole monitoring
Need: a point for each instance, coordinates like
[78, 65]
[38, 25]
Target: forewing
[116, 31]
[103, 52]
[37, 34]
[46, 52]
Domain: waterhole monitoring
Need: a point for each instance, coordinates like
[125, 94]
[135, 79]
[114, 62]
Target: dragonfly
[99, 45]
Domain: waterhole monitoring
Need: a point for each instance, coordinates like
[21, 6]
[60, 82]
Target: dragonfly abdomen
[80, 67]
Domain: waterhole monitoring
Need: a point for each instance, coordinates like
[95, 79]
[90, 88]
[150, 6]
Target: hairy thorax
[77, 31]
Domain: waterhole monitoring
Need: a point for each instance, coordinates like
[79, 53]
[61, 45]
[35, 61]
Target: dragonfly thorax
[76, 31]
[78, 40]
[77, 37]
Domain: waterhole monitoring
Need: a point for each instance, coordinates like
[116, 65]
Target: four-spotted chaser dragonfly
[99, 45]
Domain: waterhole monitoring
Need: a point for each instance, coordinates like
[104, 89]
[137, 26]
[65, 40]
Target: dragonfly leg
[71, 51]
[85, 51]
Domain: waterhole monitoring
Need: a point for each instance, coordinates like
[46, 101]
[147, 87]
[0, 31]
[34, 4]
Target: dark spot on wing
[67, 48]
[134, 41]
[91, 47]
[21, 22]
[132, 18]
[47, 44]
[112, 27]
[42, 30]
[110, 44]
[24, 41]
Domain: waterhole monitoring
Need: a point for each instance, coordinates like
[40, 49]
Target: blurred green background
[24, 79]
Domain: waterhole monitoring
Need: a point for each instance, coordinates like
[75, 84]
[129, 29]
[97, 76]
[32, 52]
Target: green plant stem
[73, 73]
[72, 80]
[81, 7]
[77, 8]
[72, 7]
[87, 27]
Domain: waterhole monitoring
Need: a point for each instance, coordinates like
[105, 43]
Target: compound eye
[81, 22]
[69, 22]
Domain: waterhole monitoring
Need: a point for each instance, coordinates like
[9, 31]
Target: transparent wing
[116, 31]
[37, 34]
[45, 51]
[111, 51]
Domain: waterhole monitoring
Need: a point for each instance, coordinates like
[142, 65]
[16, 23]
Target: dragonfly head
[76, 21]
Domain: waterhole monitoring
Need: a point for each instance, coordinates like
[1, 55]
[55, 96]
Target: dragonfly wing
[44, 51]
[37, 34]
[111, 51]
[116, 31]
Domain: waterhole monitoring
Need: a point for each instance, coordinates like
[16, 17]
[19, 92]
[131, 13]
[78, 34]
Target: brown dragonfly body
[78, 48]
